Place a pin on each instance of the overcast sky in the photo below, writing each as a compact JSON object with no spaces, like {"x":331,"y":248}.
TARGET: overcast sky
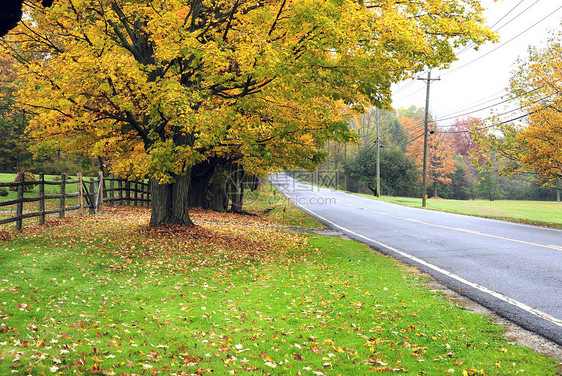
{"x":471,"y":84}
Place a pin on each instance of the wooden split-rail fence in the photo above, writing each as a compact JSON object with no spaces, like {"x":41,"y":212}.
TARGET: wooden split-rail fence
{"x":70,"y":195}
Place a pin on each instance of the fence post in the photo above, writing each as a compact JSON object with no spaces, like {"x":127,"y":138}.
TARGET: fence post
{"x":128,"y":192}
{"x":62,"y":195}
{"x":19,"y":206}
{"x":41,"y":199}
{"x":100,"y":192}
{"x":136,"y":188}
{"x":120,"y":195}
{"x":80,"y":193}
{"x":92,"y":196}
{"x":149,"y":193}
{"x":112,"y":190}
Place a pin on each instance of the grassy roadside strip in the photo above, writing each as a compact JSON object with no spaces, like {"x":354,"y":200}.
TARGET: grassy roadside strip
{"x":105,"y":295}
{"x":272,"y":205}
{"x":541,"y":213}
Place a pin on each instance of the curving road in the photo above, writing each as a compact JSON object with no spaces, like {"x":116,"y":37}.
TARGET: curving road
{"x":513,"y":269}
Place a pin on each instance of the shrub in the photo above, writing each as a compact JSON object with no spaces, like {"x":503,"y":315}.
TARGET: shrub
{"x":28,"y":177}
{"x":57,"y":177}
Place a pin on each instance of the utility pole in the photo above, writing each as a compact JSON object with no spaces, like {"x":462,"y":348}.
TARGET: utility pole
{"x":426,"y":126}
{"x":344,"y":163}
{"x":378,"y":156}
{"x":328,"y":163}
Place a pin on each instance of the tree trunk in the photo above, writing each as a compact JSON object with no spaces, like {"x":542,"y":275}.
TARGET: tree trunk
{"x":208,"y":186}
{"x":170,"y":202}
{"x":200,"y":177}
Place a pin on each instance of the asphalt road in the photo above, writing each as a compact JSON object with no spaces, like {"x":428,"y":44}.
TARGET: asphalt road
{"x":513,"y":269}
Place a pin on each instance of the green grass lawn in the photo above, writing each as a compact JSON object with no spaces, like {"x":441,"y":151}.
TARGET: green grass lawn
{"x":105,"y":295}
{"x":269,"y":203}
{"x":9,"y":210}
{"x":545,"y":213}
{"x":9,"y":177}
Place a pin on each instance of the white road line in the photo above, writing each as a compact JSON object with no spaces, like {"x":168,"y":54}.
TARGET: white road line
{"x":486,"y":290}
{"x":558,"y":248}
{"x":457,"y":214}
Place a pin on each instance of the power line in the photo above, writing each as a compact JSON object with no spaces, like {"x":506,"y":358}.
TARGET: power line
{"x":485,"y":119}
{"x":403,"y":87}
{"x":408,"y":83}
{"x":490,"y":98}
{"x":413,"y":93}
{"x":472,"y":112}
{"x":503,"y":44}
{"x":491,"y":125}
{"x":471,"y":44}
{"x":514,"y":18}
{"x":419,"y":125}
{"x":412,"y":140}
{"x":483,"y":105}
{"x":495,"y":116}
{"x":453,"y":115}
{"x":498,"y":21}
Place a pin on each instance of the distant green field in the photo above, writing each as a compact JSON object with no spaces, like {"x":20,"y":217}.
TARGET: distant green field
{"x":545,"y":213}
{"x":49,"y":189}
{"x":9,"y":210}
{"x":8,"y":178}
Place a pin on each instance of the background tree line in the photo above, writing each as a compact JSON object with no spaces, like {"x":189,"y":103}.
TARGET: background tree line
{"x":518,"y":158}
{"x":460,"y":163}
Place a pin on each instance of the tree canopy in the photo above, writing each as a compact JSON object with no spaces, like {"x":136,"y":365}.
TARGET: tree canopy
{"x":537,"y":83}
{"x":440,"y":161}
{"x":155,"y":87}
{"x":531,"y":143}
{"x":398,"y":172}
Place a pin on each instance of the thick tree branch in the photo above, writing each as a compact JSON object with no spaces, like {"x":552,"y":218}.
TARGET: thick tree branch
{"x":277,"y":18}
{"x":230,"y":19}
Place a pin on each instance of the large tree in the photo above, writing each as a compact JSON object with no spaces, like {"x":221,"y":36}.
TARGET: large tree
{"x":440,"y":161}
{"x":157,"y":87}
{"x":398,"y":174}
{"x":537,"y":84}
{"x":531,"y":142}
{"x":460,"y":136}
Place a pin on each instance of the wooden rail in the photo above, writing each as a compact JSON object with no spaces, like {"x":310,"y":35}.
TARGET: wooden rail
{"x":92,"y":195}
